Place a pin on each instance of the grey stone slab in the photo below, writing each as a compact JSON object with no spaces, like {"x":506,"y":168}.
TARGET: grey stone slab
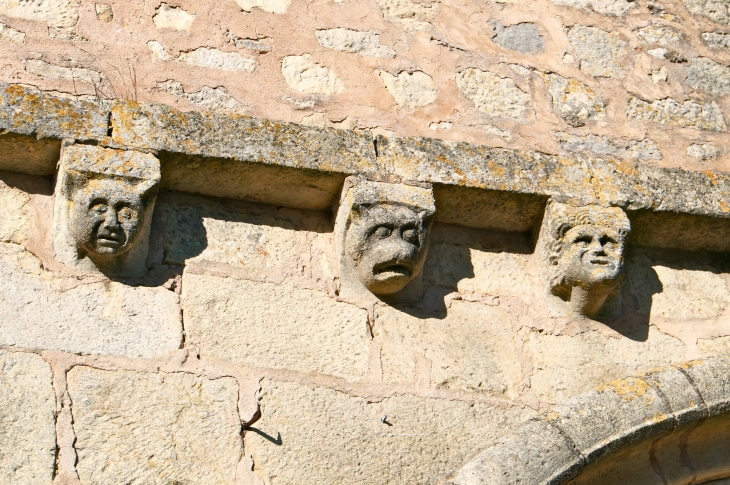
{"x":536,"y":454}
{"x":679,"y":394}
{"x":711,"y":376}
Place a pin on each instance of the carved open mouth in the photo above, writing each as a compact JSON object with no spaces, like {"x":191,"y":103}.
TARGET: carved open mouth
{"x":600,"y":261}
{"x":393,"y":268}
{"x":109,"y":240}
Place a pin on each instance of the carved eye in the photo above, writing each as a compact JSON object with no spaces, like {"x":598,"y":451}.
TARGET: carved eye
{"x":126,"y":213}
{"x":99,"y":208}
{"x":583,"y":240}
{"x":410,"y":234}
{"x":382,"y":232}
{"x":608,"y":242}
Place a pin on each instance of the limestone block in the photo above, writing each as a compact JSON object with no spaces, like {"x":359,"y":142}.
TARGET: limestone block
{"x":659,"y":34}
{"x":574,"y":101}
{"x":217,"y":59}
{"x":600,"y":52}
{"x":306,"y":76}
{"x":99,"y":318}
{"x":716,"y":10}
{"x":154,"y":428}
{"x":27,"y":420}
{"x":212,"y":98}
{"x":176,"y":18}
{"x":667,"y":111}
{"x":524,"y":37}
{"x":411,"y":15}
{"x":703,"y":151}
{"x":326,"y":436}
{"x":606,"y":7}
{"x":709,"y":76}
{"x":410,"y":90}
{"x":471,"y":348}
{"x":273,"y":6}
{"x":710,"y":377}
{"x":347,"y":40}
{"x":275,"y":326}
{"x":104,"y":12}
{"x":51,"y":71}
{"x":601,"y":358}
{"x":103,"y":207}
{"x":10,"y":34}
{"x":644,"y":150}
{"x":714,"y":346}
{"x":56,"y":13}
{"x":716,"y":40}
{"x":685,"y":294}
{"x":15,"y":222}
{"x":493,"y":95}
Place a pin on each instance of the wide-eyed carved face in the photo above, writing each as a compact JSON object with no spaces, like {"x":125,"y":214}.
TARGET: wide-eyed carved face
{"x":387,"y":244}
{"x":106,"y":217}
{"x":592,"y":255}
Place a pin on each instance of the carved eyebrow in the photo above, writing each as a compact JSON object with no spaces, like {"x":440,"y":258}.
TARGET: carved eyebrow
{"x":98,"y":200}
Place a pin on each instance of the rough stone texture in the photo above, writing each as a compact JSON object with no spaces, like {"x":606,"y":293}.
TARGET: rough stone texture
{"x":600,"y":53}
{"x":104,"y":12}
{"x":27,"y":420}
{"x":410,"y":90}
{"x":689,"y":114}
{"x":15,"y":223}
{"x":709,"y":375}
{"x":709,"y":76}
{"x":532,"y":454}
{"x":327,"y":434}
{"x":305,"y":331}
{"x":50,"y":71}
{"x":99,"y":318}
{"x":601,"y":358}
{"x":525,"y":37}
{"x":492,"y":94}
{"x":638,"y":150}
{"x":679,"y":394}
{"x":176,"y":18}
{"x":703,"y":151}
{"x":10,"y":34}
{"x":273,"y":6}
{"x":411,"y":15}
{"x":659,"y":34}
{"x":716,"y":10}
{"x":216,"y":59}
{"x":56,"y":13}
{"x":471,"y":349}
{"x":154,"y":428}
{"x":306,"y":76}
{"x":716,"y":40}
{"x":574,"y":101}
{"x":346,"y":40}
{"x":606,"y":7}
{"x":212,"y":98}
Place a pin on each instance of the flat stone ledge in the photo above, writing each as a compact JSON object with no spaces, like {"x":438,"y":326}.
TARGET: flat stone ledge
{"x":556,"y":447}
{"x":235,"y":156}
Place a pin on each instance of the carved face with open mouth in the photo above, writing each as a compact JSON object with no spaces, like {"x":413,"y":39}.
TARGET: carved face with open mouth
{"x":387,"y":244}
{"x":592,"y":255}
{"x":107,"y":217}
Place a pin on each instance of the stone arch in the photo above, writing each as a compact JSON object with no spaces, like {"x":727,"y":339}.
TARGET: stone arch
{"x":670,"y":426}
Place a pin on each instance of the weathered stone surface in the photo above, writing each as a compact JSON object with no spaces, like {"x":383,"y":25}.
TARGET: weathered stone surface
{"x":709,"y":76}
{"x":56,"y":13}
{"x":336,"y":438}
{"x":534,"y":454}
{"x":574,"y":101}
{"x":306,"y":76}
{"x":717,"y":10}
{"x":154,"y":428}
{"x":15,"y":222}
{"x":689,"y":114}
{"x":27,"y":419}
{"x":679,"y":394}
{"x":492,"y":94}
{"x":716,"y":40}
{"x":216,"y":59}
{"x":176,"y":18}
{"x":714,"y":346}
{"x":600,"y":52}
{"x":412,"y":15}
{"x":10,"y":34}
{"x":99,"y":318}
{"x":410,"y":90}
{"x":104,"y":12}
{"x":498,"y":274}
{"x":212,"y":98}
{"x":606,"y":7}
{"x":659,"y":34}
{"x":525,"y":37}
{"x":600,"y":358}
{"x":471,"y":348}
{"x":305,"y":330}
{"x":638,"y":150}
{"x":710,"y":377}
{"x":347,"y":40}
{"x":51,"y":71}
{"x":273,"y":6}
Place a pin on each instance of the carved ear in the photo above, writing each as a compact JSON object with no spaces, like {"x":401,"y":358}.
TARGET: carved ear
{"x":563,"y":229}
{"x":148,"y":192}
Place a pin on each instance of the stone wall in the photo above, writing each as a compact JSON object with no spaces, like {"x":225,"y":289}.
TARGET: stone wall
{"x":234,"y":357}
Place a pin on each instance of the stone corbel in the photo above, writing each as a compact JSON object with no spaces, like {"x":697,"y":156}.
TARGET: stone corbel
{"x":103,"y":206}
{"x":581,"y":251}
{"x":381,"y":234}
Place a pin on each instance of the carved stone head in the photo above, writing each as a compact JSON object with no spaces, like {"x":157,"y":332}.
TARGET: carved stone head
{"x":583,"y":248}
{"x":104,"y":199}
{"x":383,"y":234}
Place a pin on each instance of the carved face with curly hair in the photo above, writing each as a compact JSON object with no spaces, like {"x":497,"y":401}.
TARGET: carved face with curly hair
{"x":585,"y":247}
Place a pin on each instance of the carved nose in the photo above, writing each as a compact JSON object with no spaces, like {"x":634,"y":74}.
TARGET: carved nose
{"x":597,"y":248}
{"x":110,"y":219}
